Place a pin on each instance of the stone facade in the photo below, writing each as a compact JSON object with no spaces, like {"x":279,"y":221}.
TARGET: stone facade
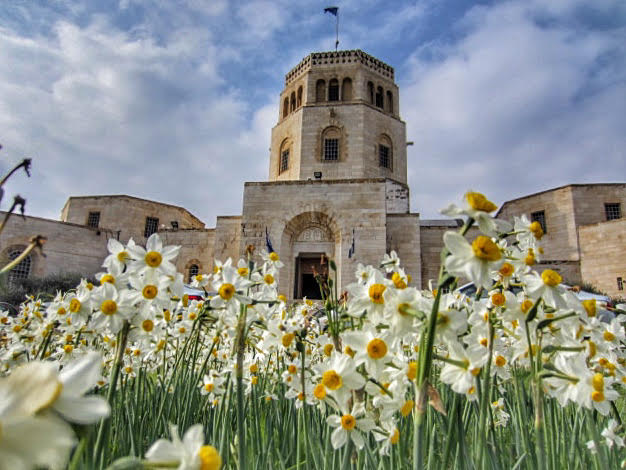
{"x":337,"y":189}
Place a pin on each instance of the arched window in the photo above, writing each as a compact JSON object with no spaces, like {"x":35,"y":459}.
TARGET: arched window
{"x":22,"y":270}
{"x":390,"y":102}
{"x":283,"y":162}
{"x":320,"y":91}
{"x":370,"y":92}
{"x":333,"y":90}
{"x":346,"y":89}
{"x":299,"y":101}
{"x":385,"y":152}
{"x":293,"y":101}
{"x":331,"y":144}
{"x":194,"y":270}
{"x":379,"y":97}
{"x":285,"y":108}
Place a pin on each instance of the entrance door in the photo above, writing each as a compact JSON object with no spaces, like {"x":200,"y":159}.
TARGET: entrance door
{"x":307,"y":267}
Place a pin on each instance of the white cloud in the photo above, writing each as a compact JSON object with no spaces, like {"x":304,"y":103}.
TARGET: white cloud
{"x":513,"y":107}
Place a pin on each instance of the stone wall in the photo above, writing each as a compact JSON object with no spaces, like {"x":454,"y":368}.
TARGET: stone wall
{"x":403,"y":236}
{"x":124,"y":217}
{"x":603,"y":255}
{"x":196,"y":249}
{"x":589,"y":201}
{"x":70,"y":248}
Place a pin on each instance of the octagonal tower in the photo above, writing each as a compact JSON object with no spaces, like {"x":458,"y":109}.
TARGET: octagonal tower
{"x":339,"y":118}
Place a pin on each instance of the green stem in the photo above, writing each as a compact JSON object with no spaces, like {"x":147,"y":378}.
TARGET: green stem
{"x":347,"y":456}
{"x":122,"y":337}
{"x":485,"y":398}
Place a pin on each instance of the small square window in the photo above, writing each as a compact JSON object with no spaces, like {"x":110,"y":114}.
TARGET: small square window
{"x":540,"y":216}
{"x":613,"y":210}
{"x":174,"y":224}
{"x":331,"y":149}
{"x":384,"y":157}
{"x":93,"y":220}
{"x":152,"y":225}
{"x":284,"y":161}
{"x":620,"y":283}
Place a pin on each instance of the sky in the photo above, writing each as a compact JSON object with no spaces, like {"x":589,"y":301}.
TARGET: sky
{"x":174,"y":100}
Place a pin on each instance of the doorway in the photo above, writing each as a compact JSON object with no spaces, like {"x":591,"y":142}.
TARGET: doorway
{"x":307,"y":267}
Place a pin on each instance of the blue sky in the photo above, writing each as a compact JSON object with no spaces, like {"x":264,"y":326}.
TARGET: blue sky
{"x":174,"y":100}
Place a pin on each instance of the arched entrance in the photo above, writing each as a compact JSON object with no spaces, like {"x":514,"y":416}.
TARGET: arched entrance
{"x":309,"y":241}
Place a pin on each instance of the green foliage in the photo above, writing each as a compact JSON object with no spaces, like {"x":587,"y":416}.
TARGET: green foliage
{"x":45,"y":288}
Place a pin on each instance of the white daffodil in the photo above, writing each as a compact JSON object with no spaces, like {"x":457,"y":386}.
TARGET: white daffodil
{"x":119,"y":256}
{"x":368,"y":297}
{"x":154,"y":257}
{"x":473,"y":261}
{"x":113,"y":307}
{"x":390,"y":262}
{"x":339,"y":376}
{"x":547,"y":286}
{"x":478,"y":208}
{"x":349,"y":426}
{"x":374,"y":349}
{"x":272,"y":258}
{"x":190,"y":453}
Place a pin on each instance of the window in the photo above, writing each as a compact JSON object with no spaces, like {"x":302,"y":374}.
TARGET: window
{"x":152,"y":225}
{"x":284,"y":161}
{"x":285,"y":108}
{"x":194,"y":270}
{"x":293,"y":101}
{"x":299,"y":102}
{"x":539,"y":216}
{"x":331,"y":149}
{"x":174,"y":224}
{"x":379,"y":97}
{"x":384,"y":155}
{"x":613,"y":210}
{"x":390,"y":102}
{"x":333,"y":90}
{"x":93,"y":220}
{"x":320,"y":91}
{"x":22,"y":270}
{"x":370,"y":92}
{"x":620,"y":283}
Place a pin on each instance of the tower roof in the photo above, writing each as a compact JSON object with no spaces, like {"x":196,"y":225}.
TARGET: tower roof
{"x":322,"y":59}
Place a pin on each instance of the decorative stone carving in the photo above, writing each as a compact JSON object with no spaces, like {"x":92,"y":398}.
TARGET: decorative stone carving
{"x":313,"y":234}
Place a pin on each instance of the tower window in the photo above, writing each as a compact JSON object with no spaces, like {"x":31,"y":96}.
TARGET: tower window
{"x":194,"y":270}
{"x":299,"y":101}
{"x":285,"y":108}
{"x":540,"y":216}
{"x":174,"y":224}
{"x":333,"y":90}
{"x":346,"y":89}
{"x":293,"y":101}
{"x":370,"y":92}
{"x":379,"y":97}
{"x":331,"y":149}
{"x":620,"y":283}
{"x":152,"y":225}
{"x":93,"y":220}
{"x":613,"y":210}
{"x":384,"y":156}
{"x":22,"y":270}
{"x":390,"y":102}
{"x":284,"y":161}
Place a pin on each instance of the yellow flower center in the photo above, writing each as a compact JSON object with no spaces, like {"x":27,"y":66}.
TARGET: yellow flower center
{"x":608,"y":336}
{"x":348,"y":422}
{"x":407,"y":407}
{"x":484,"y":342}
{"x":108,"y":307}
{"x":328,"y":349}
{"x":227,"y":291}
{"x":593,"y":349}
{"x":107,"y":278}
{"x":485,"y":249}
{"x":153,"y":259}
{"x":292,"y":369}
{"x":349,"y":351}
{"x":254,"y":380}
{"x":506,"y":270}
{"x":597,"y":382}
{"x":590,"y":307}
{"x":147,"y":325}
{"x":268,"y":279}
{"x":209,"y":387}
{"x":61,"y":311}
{"x":500,"y":361}
{"x":150,"y":291}
{"x":75,"y":305}
{"x":122,"y":256}
{"x":412,"y":372}
{"x":597,"y":396}
{"x":332,"y":380}
{"x":287,"y":339}
{"x":479,"y":202}
{"x":182,"y":330}
{"x":376,"y":348}
{"x":254,"y":368}
{"x":526,"y":305}
{"x":243,"y":272}
{"x":68,"y":348}
{"x":398,"y":281}
{"x":536,"y":230}
{"x":475,"y":371}
{"x":89,"y":286}
{"x":403,"y":308}
{"x":551,"y":278}
{"x":319,"y":391}
{"x":282,"y":298}
{"x":209,"y":458}
{"x":498,"y":299}
{"x":395,"y":437}
{"x":376,"y":293}
{"x":274,"y":257}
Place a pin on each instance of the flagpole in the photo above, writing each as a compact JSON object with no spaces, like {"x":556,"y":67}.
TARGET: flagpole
{"x":337,"y":31}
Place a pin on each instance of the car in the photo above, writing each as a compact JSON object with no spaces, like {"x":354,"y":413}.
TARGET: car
{"x":193,"y":293}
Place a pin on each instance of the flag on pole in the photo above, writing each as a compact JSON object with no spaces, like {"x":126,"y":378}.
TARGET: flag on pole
{"x":268,"y":242}
{"x":351,"y":250}
{"x":331,"y":10}
{"x":335,"y":12}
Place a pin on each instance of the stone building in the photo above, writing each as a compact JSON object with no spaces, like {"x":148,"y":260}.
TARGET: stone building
{"x":337,"y":189}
